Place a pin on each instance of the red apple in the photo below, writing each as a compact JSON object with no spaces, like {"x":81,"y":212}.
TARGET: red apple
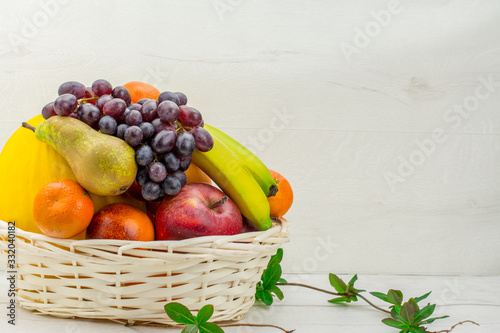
{"x":197,"y":210}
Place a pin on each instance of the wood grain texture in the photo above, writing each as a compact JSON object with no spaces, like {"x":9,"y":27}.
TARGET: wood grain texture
{"x":393,"y":149}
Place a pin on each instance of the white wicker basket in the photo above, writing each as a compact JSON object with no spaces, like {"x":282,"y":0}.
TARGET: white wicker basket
{"x":130,"y":282}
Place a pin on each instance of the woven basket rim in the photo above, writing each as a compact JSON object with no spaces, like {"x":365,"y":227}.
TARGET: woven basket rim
{"x":280,"y":224}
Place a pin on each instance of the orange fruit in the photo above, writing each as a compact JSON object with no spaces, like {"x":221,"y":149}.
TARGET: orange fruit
{"x":139,"y":90}
{"x":62,"y":209}
{"x":196,"y":175}
{"x":121,"y":221}
{"x":282,"y":201}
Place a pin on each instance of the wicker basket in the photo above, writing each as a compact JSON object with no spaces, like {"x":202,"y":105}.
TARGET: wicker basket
{"x":130,"y":282}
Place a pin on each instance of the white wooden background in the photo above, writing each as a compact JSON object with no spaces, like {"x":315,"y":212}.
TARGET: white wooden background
{"x":384,"y":115}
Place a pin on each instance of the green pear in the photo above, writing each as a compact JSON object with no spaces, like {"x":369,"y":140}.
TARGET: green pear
{"x":102,"y":164}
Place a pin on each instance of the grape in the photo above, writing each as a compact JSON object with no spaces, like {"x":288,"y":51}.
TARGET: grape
{"x":134,"y":117}
{"x":65,"y":104}
{"x":160,"y":125}
{"x":120,"y":131}
{"x":122,"y":118}
{"x":179,"y":175}
{"x":157,"y":172}
{"x":164,"y":141}
{"x":143,"y":100}
{"x":148,"y":111}
{"x":72,"y":87}
{"x":203,"y":139}
{"x":121,"y":92}
{"x":148,"y":130}
{"x":103,"y":100}
{"x":73,"y":115}
{"x":48,"y":111}
{"x":185,"y":145}
{"x":171,"y":185}
{"x":189,"y":116}
{"x":168,"y":111}
{"x":144,"y":155}
{"x":102,"y":87}
{"x":142,"y":176}
{"x":185,"y":163}
{"x":89,"y":114}
{"x":182,"y":98}
{"x":108,"y":125}
{"x":171,"y":161}
{"x":135,"y":106}
{"x":151,"y":191}
{"x":114,"y":108}
{"x":168,"y":96}
{"x":133,"y":135}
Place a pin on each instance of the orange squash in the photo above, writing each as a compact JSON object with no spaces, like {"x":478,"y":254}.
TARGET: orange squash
{"x":26,"y":165}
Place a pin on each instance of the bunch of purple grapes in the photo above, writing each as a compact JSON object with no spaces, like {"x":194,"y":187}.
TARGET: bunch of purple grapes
{"x":164,"y":132}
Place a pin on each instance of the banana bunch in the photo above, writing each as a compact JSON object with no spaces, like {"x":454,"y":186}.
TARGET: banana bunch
{"x":240,"y":174}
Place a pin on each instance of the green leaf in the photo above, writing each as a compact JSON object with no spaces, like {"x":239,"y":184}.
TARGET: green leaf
{"x":395,"y":297}
{"x":424,"y":313}
{"x":414,"y":305}
{"x":277,"y":291}
{"x":382,"y":296}
{"x":205,"y":313}
{"x":265,"y":296}
{"x":337,"y":283}
{"x":395,"y":312}
{"x":190,"y":329}
{"x":179,"y":313}
{"x":407,"y":313}
{"x":271,"y":276}
{"x":353,"y":280}
{"x":340,"y":299}
{"x":276,"y":259}
{"x":259,"y":286}
{"x":210,"y":328}
{"x":416,"y":330}
{"x":281,"y":280}
{"x":418,"y":299}
{"x":394,"y":323}
{"x":431,"y":320}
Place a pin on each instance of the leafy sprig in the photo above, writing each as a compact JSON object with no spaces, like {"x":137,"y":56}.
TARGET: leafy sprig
{"x":407,"y":316}
{"x":266,"y":288}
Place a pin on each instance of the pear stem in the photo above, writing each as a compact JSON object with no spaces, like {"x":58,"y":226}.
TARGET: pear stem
{"x":220,"y":202}
{"x":28,"y":126}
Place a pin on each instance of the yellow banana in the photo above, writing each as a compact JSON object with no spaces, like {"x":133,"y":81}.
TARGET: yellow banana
{"x":229,"y":173}
{"x":256,"y":167}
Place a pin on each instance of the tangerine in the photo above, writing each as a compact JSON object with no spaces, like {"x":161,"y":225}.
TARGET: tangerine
{"x":121,"y":221}
{"x":282,"y":201}
{"x":62,"y":208}
{"x":139,"y":90}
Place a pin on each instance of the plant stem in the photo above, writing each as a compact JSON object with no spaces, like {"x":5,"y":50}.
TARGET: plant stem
{"x":28,"y":126}
{"x":257,"y":325}
{"x":451,"y":328}
{"x":333,"y":293}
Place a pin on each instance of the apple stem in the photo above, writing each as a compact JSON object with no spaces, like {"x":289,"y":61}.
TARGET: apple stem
{"x":28,"y":126}
{"x":220,"y":202}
